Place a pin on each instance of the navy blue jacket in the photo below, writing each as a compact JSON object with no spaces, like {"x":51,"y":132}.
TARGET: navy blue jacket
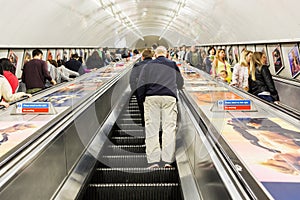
{"x":135,"y":73}
{"x":159,"y":77}
{"x":73,"y":65}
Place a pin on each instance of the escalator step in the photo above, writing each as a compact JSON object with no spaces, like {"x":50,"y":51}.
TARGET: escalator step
{"x":124,"y":149}
{"x":128,"y":126}
{"x":133,"y":105}
{"x":128,"y":140}
{"x":126,"y":114}
{"x":127,"y":161}
{"x":128,"y":133}
{"x":134,"y":191}
{"x":135,"y":111}
{"x":135,"y":175}
{"x":127,"y":120}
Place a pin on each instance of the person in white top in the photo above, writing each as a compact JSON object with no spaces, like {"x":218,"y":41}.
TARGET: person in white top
{"x":242,"y":69}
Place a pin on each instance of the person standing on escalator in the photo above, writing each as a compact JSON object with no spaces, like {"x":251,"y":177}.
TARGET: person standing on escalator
{"x":157,"y":87}
{"x":134,"y":77}
{"x":35,"y":73}
{"x":262,"y":84}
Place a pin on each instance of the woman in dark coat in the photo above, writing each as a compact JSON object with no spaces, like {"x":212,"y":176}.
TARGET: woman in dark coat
{"x":262,"y":84}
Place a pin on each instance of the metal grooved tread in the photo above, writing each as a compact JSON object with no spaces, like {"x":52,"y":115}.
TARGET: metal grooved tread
{"x":122,"y":173}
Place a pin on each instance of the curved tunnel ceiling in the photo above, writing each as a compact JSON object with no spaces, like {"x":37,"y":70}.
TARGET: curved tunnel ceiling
{"x":121,"y":23}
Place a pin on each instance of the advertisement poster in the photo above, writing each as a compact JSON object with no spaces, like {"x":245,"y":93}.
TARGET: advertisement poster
{"x":3,"y":53}
{"x":16,"y":58}
{"x":208,"y":98}
{"x":65,"y":56}
{"x":50,"y":54}
{"x":65,"y":97}
{"x":236,"y":54}
{"x":277,"y":59}
{"x":27,"y":56}
{"x":12,"y":133}
{"x":269,"y":147}
{"x":12,"y":56}
{"x":294,"y":61}
{"x":230,"y":56}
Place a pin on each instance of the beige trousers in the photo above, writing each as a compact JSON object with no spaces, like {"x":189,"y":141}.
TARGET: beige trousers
{"x":160,"y":109}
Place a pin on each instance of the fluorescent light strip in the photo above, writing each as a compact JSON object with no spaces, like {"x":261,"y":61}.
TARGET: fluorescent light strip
{"x":121,"y":17}
{"x":180,"y":4}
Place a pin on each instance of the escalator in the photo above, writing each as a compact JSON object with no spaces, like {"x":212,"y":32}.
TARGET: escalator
{"x":122,"y":170}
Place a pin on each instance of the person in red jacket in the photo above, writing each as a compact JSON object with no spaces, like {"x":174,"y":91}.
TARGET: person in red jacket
{"x":8,"y":73}
{"x":6,"y":94}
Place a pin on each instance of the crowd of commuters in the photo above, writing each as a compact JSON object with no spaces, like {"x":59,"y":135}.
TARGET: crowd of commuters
{"x":38,"y":74}
{"x":249,"y":71}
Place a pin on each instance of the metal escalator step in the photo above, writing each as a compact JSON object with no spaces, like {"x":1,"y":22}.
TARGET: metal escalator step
{"x":127,"y":120}
{"x":134,"y":191}
{"x":130,"y":115}
{"x":129,"y":126}
{"x":132,"y":110}
{"x":126,"y":161}
{"x":133,"y":104}
{"x":135,"y":175}
{"x":128,"y":140}
{"x":135,"y":111}
{"x":124,"y":149}
{"x":133,"y":100}
{"x":128,"y":133}
{"x":136,"y":115}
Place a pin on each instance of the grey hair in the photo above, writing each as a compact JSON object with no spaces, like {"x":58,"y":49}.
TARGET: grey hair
{"x":161,"y":50}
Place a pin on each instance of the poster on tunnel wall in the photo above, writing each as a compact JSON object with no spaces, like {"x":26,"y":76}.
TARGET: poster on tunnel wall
{"x":293,"y":56}
{"x":27,"y":56}
{"x":277,"y":59}
{"x":16,"y":56}
{"x":3,"y":53}
{"x":51,"y":54}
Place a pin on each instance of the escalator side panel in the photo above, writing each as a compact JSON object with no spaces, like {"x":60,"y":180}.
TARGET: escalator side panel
{"x":41,"y":177}
{"x":288,"y":94}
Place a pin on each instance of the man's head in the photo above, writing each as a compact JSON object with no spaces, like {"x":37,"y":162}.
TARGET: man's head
{"x":75,"y":56}
{"x":161,"y":51}
{"x":37,"y":54}
{"x":147,"y":53}
{"x":193,"y":49}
